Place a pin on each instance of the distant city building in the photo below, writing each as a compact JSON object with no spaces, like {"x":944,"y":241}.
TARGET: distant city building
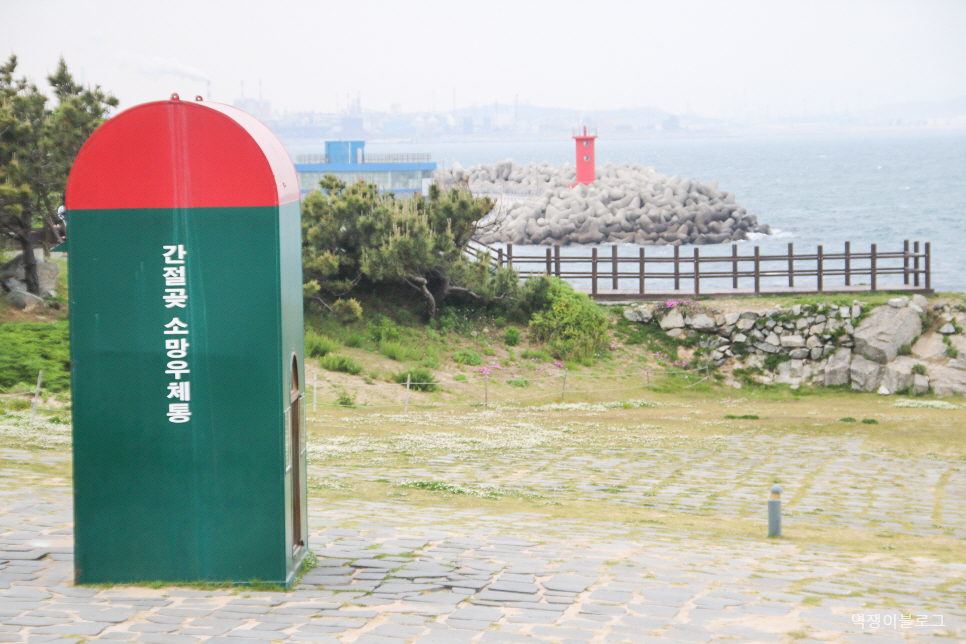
{"x":348,"y":162}
{"x":262,"y":110}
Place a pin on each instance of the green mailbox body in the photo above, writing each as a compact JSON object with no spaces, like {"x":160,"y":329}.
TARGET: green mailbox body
{"x":187,"y":349}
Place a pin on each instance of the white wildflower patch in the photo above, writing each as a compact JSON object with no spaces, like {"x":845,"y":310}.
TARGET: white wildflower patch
{"x":479,"y":491}
{"x":584,"y":406}
{"x":924,"y":404}
{"x":25,"y":430}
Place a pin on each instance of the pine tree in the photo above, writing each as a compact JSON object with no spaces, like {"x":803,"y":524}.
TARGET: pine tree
{"x":38,"y":144}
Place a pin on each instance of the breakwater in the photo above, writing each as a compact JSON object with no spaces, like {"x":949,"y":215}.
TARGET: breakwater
{"x":628,"y":203}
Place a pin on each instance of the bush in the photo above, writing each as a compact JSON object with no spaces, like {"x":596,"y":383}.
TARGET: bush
{"x":318,"y":346}
{"x":460,"y":377}
{"x":344,"y":398}
{"x":384,"y":329}
{"x":420,"y":379}
{"x":489,"y":351}
{"x":344,"y":364}
{"x":571,"y":323}
{"x":870,"y":421}
{"x":775,"y":359}
{"x":467,"y":357}
{"x":518,"y":382}
{"x":535,"y":354}
{"x":847,"y":419}
{"x":354,"y":340}
{"x":905,"y":350}
{"x":27,"y":348}
{"x":919,"y":369}
{"x":347,"y":310}
{"x":395,"y":350}
{"x":511,"y":337}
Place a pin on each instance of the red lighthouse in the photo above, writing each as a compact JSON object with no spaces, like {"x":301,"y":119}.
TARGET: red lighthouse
{"x":585,"y":156}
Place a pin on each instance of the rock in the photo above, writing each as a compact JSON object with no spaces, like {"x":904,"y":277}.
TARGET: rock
{"x":946,"y":382}
{"x":816,"y":353}
{"x":864,"y":373}
{"x":838,"y":367}
{"x":24,"y":300}
{"x":920,"y":384}
{"x":928,"y":347}
{"x":897,"y":375}
{"x":767,"y":347}
{"x":641,"y":314}
{"x":799,"y":354}
{"x":920,"y":301}
{"x":673,"y":320}
{"x":13,"y":275}
{"x":702,"y":322}
{"x":739,"y":337}
{"x":884,"y":331}
{"x":898,"y":302}
{"x":813,"y":342}
{"x":793,"y":341}
{"x":731,"y":319}
{"x":675,"y":333}
{"x":745,"y":324}
{"x":883,"y":390}
{"x":947,"y":329}
{"x":773,"y":339}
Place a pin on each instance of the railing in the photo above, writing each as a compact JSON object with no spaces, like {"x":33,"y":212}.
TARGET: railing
{"x":816,"y":272}
{"x":418,"y":157}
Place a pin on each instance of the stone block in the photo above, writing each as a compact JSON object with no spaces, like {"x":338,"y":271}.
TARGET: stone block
{"x":884,"y":331}
{"x":838,"y":367}
{"x":673,"y":320}
{"x":793,"y":341}
{"x":799,"y":354}
{"x":24,"y":300}
{"x":865,"y":373}
{"x":897,"y":375}
{"x":773,"y":339}
{"x":731,"y":319}
{"x":816,"y":353}
{"x":701,"y":322}
{"x":920,"y":301}
{"x":744,"y":324}
{"x":929,"y":346}
{"x":920,"y":384}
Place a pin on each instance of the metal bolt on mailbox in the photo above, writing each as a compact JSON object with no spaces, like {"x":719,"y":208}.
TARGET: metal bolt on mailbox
{"x":187,"y":349}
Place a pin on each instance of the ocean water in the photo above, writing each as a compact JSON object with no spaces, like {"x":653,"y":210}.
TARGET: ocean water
{"x":879,"y":188}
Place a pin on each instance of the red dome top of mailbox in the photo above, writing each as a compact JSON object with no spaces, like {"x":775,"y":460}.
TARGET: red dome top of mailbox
{"x":181,"y":154}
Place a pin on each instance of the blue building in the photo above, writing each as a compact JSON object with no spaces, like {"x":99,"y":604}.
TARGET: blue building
{"x":348,"y":162}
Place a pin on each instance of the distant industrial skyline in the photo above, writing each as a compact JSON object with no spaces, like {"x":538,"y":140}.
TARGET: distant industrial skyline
{"x":728,"y":59}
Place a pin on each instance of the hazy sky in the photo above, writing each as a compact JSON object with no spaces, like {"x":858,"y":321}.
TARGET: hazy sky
{"x":718,"y":58}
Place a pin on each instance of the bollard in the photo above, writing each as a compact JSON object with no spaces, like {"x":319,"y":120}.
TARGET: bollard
{"x":775,"y":512}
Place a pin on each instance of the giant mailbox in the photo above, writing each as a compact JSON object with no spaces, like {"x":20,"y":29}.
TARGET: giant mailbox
{"x":187,"y":349}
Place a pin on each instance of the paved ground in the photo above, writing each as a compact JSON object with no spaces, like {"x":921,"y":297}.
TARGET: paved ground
{"x":503,"y":549}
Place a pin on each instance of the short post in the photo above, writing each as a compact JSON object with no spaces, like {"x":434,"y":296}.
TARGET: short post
{"x":872,"y":266}
{"x":905,"y":262}
{"x":549,"y":262}
{"x":499,"y":257}
{"x":757,"y":270}
{"x":408,"y":379}
{"x":40,"y":379}
{"x":734,"y":266}
{"x":697,"y":271}
{"x":593,"y":271}
{"x":564,"y":390}
{"x":647,"y":374}
{"x":775,"y":512}
{"x":915,"y":264}
{"x":614,"y":266}
{"x":486,"y":391}
{"x":315,"y":391}
{"x":820,"y":266}
{"x":928,"y":263}
{"x":556,"y":258}
{"x":848,"y":263}
{"x":677,"y":268}
{"x":791,"y":265}
{"x":640,"y":270}
{"x":509,"y":255}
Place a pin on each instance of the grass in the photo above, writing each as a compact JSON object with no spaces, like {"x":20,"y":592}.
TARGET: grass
{"x":419,"y":379}
{"x":27,"y":348}
{"x":341,"y":363}
{"x":467,"y":357}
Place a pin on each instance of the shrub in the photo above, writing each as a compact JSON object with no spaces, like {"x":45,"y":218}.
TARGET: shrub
{"x":775,"y":359}
{"x":420,"y":379}
{"x":511,"y":337}
{"x":347,"y":310}
{"x":460,"y":377}
{"x":354,"y":340}
{"x":919,"y":369}
{"x":467,"y":357}
{"x":344,"y":398}
{"x":905,"y":350}
{"x":395,"y":350}
{"x":318,"y":346}
{"x":383,"y":329}
{"x":518,"y":382}
{"x":952,"y":352}
{"x":27,"y":348}
{"x":345,"y":364}
{"x":535,"y":354}
{"x":870,"y":421}
{"x":429,"y":363}
{"x":488,"y":351}
{"x":847,"y":419}
{"x":571,"y":323}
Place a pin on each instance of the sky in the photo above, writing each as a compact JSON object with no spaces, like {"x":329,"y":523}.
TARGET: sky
{"x":725,"y":58}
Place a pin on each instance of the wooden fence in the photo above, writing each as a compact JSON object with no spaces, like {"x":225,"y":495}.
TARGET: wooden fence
{"x":817,"y":272}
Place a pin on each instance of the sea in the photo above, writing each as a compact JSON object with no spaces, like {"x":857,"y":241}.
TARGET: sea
{"x":866,"y":188}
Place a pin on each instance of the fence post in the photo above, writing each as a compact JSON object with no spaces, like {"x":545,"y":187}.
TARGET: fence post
{"x":928,"y":263}
{"x":613,"y":265}
{"x":734,"y":266}
{"x":848,"y":263}
{"x":315,"y":391}
{"x":549,"y":265}
{"x":640,"y":270}
{"x":757,"y":270}
{"x":564,"y":390}
{"x":677,"y":268}
{"x":791,"y":265}
{"x":915,"y":263}
{"x":593,"y":271}
{"x":872,"y":266}
{"x":820,"y":266}
{"x":509,"y":256}
{"x":556,"y":257}
{"x":775,"y":512}
{"x":40,"y":379}
{"x":499,"y":258}
{"x":697,"y":271}
{"x":648,"y":375}
{"x":408,"y":378}
{"x":486,"y":391}
{"x":905,"y":262}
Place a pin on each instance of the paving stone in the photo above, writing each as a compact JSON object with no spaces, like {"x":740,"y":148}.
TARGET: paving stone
{"x":569,"y":583}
